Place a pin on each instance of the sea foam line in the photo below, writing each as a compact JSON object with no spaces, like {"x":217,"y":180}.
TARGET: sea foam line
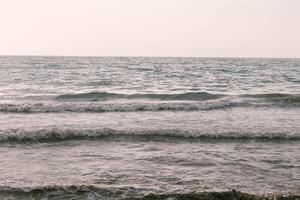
{"x":101,"y":133}
{"x":126,"y":193}
{"x":114,"y":107}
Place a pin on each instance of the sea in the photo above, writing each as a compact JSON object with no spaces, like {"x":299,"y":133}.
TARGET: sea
{"x":129,"y":127}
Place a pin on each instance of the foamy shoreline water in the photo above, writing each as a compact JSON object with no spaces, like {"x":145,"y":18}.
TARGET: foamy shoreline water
{"x":83,"y":192}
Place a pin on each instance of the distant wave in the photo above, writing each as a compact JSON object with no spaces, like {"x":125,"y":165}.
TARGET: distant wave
{"x":124,"y":193}
{"x":107,"y":133}
{"x":102,"y":96}
{"x":292,"y":98}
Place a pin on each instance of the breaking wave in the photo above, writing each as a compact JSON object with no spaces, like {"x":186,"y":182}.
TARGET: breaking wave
{"x":125,"y":193}
{"x":170,"y":103}
{"x":56,"y":134}
{"x":190,"y":96}
{"x":114,"y":107}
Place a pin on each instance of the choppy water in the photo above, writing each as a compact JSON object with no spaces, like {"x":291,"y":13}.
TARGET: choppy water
{"x":112,"y":128}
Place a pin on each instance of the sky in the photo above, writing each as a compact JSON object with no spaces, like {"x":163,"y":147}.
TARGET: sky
{"x":187,"y":28}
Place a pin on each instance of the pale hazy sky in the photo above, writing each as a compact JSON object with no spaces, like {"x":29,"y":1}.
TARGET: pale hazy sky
{"x":234,"y":28}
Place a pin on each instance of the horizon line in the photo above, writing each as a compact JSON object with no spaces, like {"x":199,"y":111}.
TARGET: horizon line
{"x":118,"y":56}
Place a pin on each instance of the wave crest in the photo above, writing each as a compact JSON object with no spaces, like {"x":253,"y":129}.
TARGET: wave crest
{"x":179,"y":102}
{"x":124,"y":193}
{"x":190,"y":96}
{"x":113,"y":107}
{"x":107,"y":133}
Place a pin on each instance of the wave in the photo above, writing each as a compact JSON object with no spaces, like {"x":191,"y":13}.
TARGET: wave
{"x":94,"y":107}
{"x":79,"y":107}
{"x":190,"y":96}
{"x":125,"y":193}
{"x":292,"y":98}
{"x":166,"y":103}
{"x":58,"y":134}
{"x":102,"y":96}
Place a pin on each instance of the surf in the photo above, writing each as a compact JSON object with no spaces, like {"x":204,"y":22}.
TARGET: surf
{"x":62,"y":134}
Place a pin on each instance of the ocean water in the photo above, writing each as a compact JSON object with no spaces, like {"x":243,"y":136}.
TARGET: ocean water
{"x":124,"y":127}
